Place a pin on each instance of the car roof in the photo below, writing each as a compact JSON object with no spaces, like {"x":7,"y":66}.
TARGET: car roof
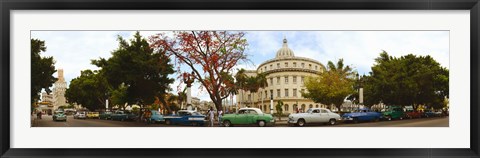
{"x":256,"y":109}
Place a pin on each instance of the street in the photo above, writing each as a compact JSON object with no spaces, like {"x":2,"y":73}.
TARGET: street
{"x":47,"y":121}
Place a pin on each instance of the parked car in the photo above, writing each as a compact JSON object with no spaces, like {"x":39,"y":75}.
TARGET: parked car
{"x":123,"y":115}
{"x":106,"y":115}
{"x":393,"y":112}
{"x":93,"y":115}
{"x":59,"y":116}
{"x":362,"y":114}
{"x":185,"y":117}
{"x":80,"y":115}
{"x":312,"y":116}
{"x":413,"y":114}
{"x":430,"y":113}
{"x":248,"y":116}
{"x":156,"y":117}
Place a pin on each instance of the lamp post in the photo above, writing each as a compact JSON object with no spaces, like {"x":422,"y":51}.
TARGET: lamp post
{"x":271,"y":104}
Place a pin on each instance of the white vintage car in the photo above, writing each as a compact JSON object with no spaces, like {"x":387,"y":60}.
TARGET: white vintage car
{"x":314,"y":115}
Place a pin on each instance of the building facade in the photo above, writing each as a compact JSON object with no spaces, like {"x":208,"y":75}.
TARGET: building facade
{"x":285,"y":75}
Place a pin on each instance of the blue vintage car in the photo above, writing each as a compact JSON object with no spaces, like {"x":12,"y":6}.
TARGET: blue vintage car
{"x":123,"y":115}
{"x":185,"y":117}
{"x":362,"y":114}
{"x":156,"y":116}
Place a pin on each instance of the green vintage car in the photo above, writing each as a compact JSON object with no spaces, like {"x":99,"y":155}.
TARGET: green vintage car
{"x":393,"y":112}
{"x":248,"y":116}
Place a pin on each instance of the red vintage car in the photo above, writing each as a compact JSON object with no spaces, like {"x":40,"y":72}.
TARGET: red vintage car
{"x":413,"y":114}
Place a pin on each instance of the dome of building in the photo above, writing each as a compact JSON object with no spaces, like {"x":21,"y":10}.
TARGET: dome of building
{"x":284,"y":51}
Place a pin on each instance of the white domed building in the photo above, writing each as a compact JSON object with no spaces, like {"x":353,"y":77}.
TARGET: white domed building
{"x":285,"y":75}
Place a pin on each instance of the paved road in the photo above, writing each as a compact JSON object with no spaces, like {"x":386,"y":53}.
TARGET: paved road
{"x":47,"y":121}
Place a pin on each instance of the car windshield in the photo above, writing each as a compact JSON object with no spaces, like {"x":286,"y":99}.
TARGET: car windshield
{"x":309,"y":110}
{"x":196,"y":114}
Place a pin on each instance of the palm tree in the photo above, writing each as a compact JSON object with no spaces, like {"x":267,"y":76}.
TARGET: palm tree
{"x":240,"y":84}
{"x":252,"y":86}
{"x":341,"y":68}
{"x":262,"y":81}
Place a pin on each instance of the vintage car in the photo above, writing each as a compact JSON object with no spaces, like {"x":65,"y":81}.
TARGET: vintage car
{"x":430,"y":113}
{"x":362,"y":114}
{"x":80,"y":115}
{"x":185,"y":117}
{"x":312,"y":116}
{"x":59,"y":116}
{"x":413,"y":114}
{"x":156,"y":116}
{"x":123,"y":115}
{"x":106,"y":115}
{"x":393,"y":112}
{"x":93,"y":115}
{"x":248,"y":116}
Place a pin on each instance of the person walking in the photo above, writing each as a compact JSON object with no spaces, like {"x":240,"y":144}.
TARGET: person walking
{"x":220,"y":115}
{"x":211,"y":114}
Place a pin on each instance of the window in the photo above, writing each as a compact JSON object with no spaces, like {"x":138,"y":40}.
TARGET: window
{"x":249,"y":97}
{"x":294,"y":92}
{"x":265,"y":68}
{"x":324,"y":111}
{"x":271,"y":93}
{"x":303,"y":107}
{"x":316,"y":111}
{"x":271,"y":81}
{"x":303,"y":78}
{"x":310,"y":106}
{"x":286,"y":107}
{"x":278,"y":65}
{"x":294,"y":64}
{"x":271,"y":67}
{"x":278,"y":93}
{"x":286,"y":92}
{"x":316,"y":106}
{"x":266,"y":94}
{"x":303,"y":65}
{"x":286,"y":64}
{"x":286,"y":79}
{"x":278,"y":80}
{"x":316,"y":67}
{"x":309,"y":66}
{"x":294,"y":79}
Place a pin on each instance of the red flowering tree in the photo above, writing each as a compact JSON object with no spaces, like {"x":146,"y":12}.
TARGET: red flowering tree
{"x":211,"y":55}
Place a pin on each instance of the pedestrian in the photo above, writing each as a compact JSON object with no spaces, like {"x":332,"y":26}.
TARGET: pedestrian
{"x":220,"y":113}
{"x":211,"y":114}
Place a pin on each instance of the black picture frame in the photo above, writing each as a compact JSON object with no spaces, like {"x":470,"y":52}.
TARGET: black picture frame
{"x":9,"y":5}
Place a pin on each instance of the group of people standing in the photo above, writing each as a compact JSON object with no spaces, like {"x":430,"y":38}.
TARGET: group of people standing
{"x":211,"y":117}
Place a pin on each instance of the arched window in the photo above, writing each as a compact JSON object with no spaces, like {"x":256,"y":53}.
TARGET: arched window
{"x":303,"y":108}
{"x":316,"y":106}
{"x":285,"y":107}
{"x":310,"y":106}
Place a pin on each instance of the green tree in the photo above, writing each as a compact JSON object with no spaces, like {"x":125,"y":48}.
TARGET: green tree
{"x":88,"y":90}
{"x":279,"y":107}
{"x":240,"y":83}
{"x":332,"y":85}
{"x":143,"y":70}
{"x":42,"y":70}
{"x":408,"y":80}
{"x":119,"y":96}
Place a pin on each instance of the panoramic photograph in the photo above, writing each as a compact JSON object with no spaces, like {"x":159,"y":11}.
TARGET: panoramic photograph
{"x":234,"y":78}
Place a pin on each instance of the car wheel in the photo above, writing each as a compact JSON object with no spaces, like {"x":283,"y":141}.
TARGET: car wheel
{"x":332,"y":121}
{"x":389,"y":118}
{"x":261,"y":123}
{"x":227,"y":123}
{"x":301,"y":122}
{"x":168,"y":122}
{"x":401,"y":118}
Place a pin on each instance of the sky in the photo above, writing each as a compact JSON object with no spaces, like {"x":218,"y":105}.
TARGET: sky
{"x":73,"y":50}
